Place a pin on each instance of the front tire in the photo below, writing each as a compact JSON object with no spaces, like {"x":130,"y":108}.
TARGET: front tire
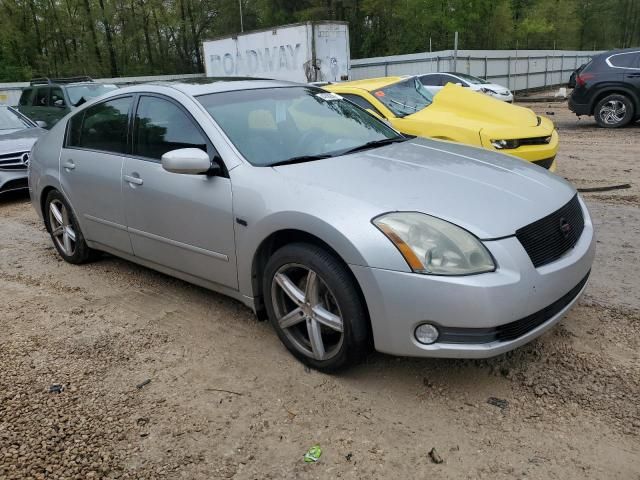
{"x":315,"y":307}
{"x":614,"y":111}
{"x":65,"y":231}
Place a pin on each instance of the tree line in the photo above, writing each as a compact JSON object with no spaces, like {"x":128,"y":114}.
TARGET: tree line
{"x":109,"y":38}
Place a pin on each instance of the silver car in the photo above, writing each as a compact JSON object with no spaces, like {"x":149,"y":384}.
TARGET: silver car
{"x":314,"y":213}
{"x":17,"y":136}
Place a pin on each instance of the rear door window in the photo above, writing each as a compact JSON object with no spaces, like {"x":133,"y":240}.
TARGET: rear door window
{"x":41,"y":98}
{"x":57,"y":97}
{"x":162,"y":126}
{"x":26,"y":98}
{"x":101,"y":127}
{"x":625,"y":60}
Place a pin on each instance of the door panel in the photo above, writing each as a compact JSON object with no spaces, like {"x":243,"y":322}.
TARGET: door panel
{"x":184,"y":222}
{"x":91,"y":181}
{"x":91,"y":171}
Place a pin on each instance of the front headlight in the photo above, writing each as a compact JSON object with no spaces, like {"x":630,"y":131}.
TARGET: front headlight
{"x":434,"y":246}
{"x":505,"y":144}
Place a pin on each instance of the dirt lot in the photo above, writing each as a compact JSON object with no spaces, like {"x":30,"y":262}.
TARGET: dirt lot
{"x":225,"y":400}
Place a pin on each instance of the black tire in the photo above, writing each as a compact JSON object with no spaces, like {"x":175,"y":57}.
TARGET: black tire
{"x":337,"y":280}
{"x":81,"y":252}
{"x":603,"y":111}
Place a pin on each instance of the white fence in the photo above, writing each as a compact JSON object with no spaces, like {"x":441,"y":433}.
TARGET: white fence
{"x":516,"y":69}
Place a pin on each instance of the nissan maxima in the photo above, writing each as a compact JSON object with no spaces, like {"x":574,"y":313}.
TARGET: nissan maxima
{"x":319,"y":216}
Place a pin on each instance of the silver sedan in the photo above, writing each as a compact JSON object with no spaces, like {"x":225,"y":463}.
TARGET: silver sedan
{"x":317,"y":215}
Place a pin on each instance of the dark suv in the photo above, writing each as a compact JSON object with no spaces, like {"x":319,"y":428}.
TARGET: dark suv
{"x":608,"y":88}
{"x":49,"y":99}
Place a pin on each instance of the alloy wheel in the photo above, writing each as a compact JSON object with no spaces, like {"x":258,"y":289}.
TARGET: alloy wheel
{"x":61,"y":227}
{"x":307,"y":311}
{"x":613,"y":112}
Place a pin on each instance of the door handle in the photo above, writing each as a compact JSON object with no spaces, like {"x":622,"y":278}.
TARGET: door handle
{"x":133,"y":180}
{"x":69,"y":165}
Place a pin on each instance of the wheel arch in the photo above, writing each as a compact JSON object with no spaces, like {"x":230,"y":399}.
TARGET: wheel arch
{"x":279,"y":239}
{"x":614,"y":90}
{"x":43,"y":200}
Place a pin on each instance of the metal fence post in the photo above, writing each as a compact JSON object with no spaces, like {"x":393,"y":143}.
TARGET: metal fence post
{"x":561,"y":68}
{"x":546,"y":68}
{"x":509,"y":73}
{"x":485,"y":68}
{"x":528,"y":70}
{"x":438,"y":63}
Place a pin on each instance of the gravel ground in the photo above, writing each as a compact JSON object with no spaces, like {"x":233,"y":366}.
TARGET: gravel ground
{"x":110,"y":370}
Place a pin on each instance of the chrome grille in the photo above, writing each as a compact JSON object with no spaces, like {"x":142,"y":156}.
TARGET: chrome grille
{"x":14,"y":161}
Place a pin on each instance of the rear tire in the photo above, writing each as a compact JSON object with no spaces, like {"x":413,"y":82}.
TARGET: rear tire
{"x":65,"y":231}
{"x":614,"y":111}
{"x":315,"y":307}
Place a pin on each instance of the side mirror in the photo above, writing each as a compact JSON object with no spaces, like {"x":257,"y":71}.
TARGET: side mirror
{"x":41,"y":124}
{"x":190,"y":161}
{"x":59,"y":103}
{"x":460,"y":84}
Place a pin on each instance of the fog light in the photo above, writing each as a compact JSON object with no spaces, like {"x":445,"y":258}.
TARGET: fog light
{"x":426,"y":333}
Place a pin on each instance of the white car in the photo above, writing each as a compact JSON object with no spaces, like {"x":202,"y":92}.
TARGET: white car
{"x":435,"y":81}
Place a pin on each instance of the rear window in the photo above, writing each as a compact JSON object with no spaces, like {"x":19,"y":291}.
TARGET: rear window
{"x":41,"y":98}
{"x":79,"y":94}
{"x":625,"y":60}
{"x":27,"y":97}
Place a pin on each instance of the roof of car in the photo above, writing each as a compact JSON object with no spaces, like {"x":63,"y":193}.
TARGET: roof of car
{"x":369,"y":84}
{"x":607,"y":54}
{"x":203,"y":86}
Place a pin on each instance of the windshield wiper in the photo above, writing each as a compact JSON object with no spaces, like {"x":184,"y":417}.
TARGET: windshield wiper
{"x":415,"y":109}
{"x":376,"y":143}
{"x":300,"y":159}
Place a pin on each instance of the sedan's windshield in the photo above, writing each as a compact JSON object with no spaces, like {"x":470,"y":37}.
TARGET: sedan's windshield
{"x":78,"y":94}
{"x":405,"y":97}
{"x":10,"y":120}
{"x":293,"y":124}
{"x":471,"y":79}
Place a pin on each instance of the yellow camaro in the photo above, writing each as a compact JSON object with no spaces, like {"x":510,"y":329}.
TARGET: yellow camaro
{"x":457,"y":114}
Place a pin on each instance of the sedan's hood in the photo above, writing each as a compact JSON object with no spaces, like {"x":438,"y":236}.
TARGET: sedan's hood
{"x":495,"y":87}
{"x":20,"y":140}
{"x":489,"y":194}
{"x":480,"y":108}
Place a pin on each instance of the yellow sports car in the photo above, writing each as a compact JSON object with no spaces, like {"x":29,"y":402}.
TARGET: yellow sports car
{"x":457,"y":114}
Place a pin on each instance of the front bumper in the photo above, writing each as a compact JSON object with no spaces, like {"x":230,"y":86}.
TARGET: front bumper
{"x":12,"y":180}
{"x":399,"y":301}
{"x":531,"y":153}
{"x":504,"y":97}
